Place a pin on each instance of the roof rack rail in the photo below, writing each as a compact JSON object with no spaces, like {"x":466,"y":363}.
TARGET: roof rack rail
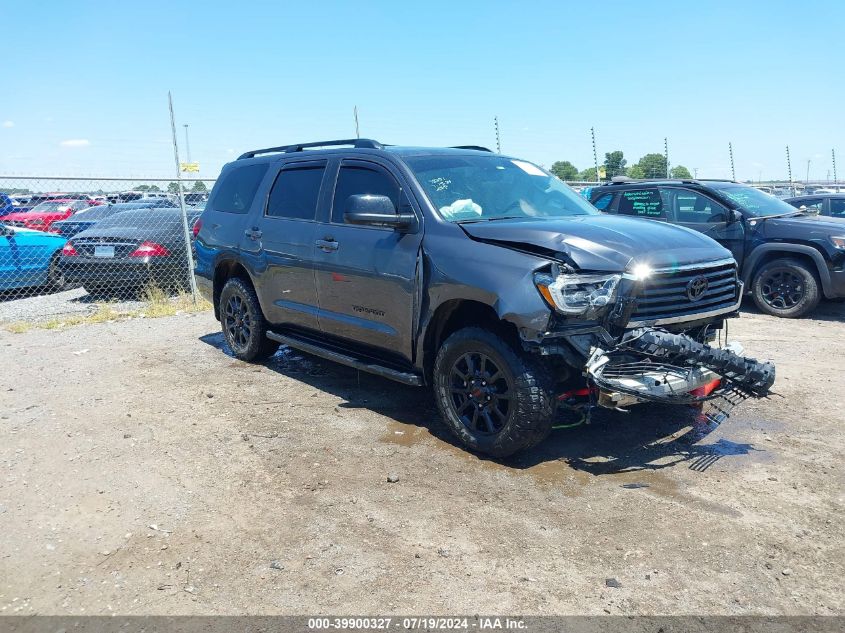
{"x":360,"y":143}
{"x":475,"y":147}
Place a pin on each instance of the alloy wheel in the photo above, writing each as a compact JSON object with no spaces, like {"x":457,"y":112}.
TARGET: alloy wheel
{"x":481,"y":394}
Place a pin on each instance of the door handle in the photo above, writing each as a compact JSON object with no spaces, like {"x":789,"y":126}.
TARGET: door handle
{"x":327,"y":246}
{"x":253,"y":233}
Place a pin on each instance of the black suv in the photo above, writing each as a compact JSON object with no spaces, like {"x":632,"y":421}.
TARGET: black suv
{"x":481,"y":275}
{"x":788,"y":258}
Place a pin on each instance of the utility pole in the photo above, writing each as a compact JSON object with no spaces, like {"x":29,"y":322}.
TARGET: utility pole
{"x":498,"y":140}
{"x":833,"y":156}
{"x":695,"y":172}
{"x":808,"y":172}
{"x":789,"y":169}
{"x":185,"y":229}
{"x":187,"y":143}
{"x":666,"y":154}
{"x":595,"y":155}
{"x":731,"y":152}
{"x":355,"y":113}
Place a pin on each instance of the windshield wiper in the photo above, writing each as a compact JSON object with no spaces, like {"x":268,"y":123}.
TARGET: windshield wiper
{"x":488,"y":219}
{"x":779,"y":215}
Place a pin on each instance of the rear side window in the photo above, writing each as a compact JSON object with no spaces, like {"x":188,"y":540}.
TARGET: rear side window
{"x":356,"y":180}
{"x":295,"y":193}
{"x":642,"y":203}
{"x":837,"y":207}
{"x":603,"y":202}
{"x":237,"y":190}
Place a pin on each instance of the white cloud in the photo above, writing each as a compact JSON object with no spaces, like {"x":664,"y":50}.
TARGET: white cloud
{"x":8,"y":124}
{"x":76,"y":142}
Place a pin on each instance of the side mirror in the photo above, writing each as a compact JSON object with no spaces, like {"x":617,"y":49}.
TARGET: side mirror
{"x":6,"y":231}
{"x":370,"y":210}
{"x":734,"y":216}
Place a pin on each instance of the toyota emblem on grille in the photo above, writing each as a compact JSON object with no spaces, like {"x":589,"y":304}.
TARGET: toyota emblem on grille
{"x":696,"y":287}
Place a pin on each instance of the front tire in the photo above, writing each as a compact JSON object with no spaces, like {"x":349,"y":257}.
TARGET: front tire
{"x":55,"y":276}
{"x":495,"y":400}
{"x":243,"y":323}
{"x":785,"y":288}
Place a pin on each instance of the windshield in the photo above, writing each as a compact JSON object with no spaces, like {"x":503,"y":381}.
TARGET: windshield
{"x":753,"y":201}
{"x":467,"y":188}
{"x":46,"y":207}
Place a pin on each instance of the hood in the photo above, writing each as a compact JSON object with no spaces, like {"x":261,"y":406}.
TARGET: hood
{"x":801,"y":226}
{"x":28,"y":216}
{"x":601,"y":242}
{"x":41,"y":235}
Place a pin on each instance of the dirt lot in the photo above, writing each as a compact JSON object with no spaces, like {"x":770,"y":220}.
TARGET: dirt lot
{"x":145,"y":471}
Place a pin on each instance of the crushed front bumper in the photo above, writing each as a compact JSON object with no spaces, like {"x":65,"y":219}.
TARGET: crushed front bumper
{"x":652,"y":365}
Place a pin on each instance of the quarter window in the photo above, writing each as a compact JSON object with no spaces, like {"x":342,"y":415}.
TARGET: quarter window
{"x":642,"y":203}
{"x":235,"y":193}
{"x":295,"y":193}
{"x":355,"y":180}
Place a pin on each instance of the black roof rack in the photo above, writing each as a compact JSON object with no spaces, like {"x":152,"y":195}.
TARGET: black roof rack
{"x":475,"y":147}
{"x":625,"y":180}
{"x":361,"y":143}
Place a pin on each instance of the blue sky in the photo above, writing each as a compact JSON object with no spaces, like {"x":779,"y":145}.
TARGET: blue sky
{"x":85,"y":83}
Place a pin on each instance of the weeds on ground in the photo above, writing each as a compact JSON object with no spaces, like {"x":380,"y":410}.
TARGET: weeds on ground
{"x":157,"y":303}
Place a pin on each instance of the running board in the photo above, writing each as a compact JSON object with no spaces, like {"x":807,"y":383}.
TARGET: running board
{"x":344,"y":359}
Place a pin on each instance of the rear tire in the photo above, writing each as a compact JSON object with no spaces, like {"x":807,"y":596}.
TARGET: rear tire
{"x":785,"y":288}
{"x":55,"y":276}
{"x":243,"y":323}
{"x":494,"y":399}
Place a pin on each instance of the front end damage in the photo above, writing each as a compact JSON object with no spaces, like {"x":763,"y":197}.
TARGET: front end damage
{"x":651,"y":340}
{"x":652,"y":365}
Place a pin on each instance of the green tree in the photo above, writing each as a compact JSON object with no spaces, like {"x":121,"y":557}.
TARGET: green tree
{"x":154,"y":188}
{"x":142,"y":188}
{"x":679,"y":171}
{"x":199,"y":187}
{"x":614,"y":164}
{"x":565,"y":170}
{"x":173,"y":187}
{"x":652,"y":166}
{"x":636,"y":172}
{"x":588,"y":174}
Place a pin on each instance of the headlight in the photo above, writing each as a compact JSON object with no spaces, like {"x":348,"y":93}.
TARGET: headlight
{"x":578,"y":295}
{"x":838,"y":241}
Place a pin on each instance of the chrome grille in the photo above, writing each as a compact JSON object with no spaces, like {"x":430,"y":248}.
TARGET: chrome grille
{"x":664,"y":294}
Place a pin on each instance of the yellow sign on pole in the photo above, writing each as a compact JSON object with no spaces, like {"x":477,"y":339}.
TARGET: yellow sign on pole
{"x":602,"y":172}
{"x":189,"y":166}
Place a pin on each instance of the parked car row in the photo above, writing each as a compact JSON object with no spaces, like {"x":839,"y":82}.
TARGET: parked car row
{"x":108,"y":249}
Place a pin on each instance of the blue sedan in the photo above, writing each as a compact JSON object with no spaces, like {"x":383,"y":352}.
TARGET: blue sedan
{"x":29,"y":258}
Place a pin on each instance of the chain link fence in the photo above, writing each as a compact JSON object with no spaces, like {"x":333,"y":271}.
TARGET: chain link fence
{"x":69,"y":245}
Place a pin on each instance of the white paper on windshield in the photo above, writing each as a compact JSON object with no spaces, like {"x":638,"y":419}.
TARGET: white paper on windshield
{"x":528,"y":168}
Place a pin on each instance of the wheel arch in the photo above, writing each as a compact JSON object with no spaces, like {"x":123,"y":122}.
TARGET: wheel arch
{"x":769,"y":252}
{"x":224,"y":271}
{"x":455,"y":314}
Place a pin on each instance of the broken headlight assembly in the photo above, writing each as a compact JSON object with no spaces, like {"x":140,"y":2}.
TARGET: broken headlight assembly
{"x":582,"y":295}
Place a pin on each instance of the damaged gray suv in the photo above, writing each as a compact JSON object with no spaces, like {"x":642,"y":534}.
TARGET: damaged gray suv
{"x":480,"y":275}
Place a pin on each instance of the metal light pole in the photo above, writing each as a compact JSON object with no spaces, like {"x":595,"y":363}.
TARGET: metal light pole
{"x":808,"y":172}
{"x":498,"y":140}
{"x":731,"y":152}
{"x":186,"y":229}
{"x":187,"y":143}
{"x":357,"y":131}
{"x":666,"y":154}
{"x":833,"y":156}
{"x":789,"y":169}
{"x":595,"y":155}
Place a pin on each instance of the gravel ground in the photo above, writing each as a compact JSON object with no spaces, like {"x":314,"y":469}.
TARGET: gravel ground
{"x":145,"y":471}
{"x":35,"y":308}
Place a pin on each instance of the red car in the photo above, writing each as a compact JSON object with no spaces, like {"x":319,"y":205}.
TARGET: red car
{"x":41,"y":217}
